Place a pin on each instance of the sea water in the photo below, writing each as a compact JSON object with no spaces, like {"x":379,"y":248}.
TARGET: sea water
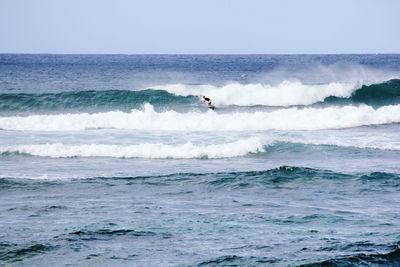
{"x":114,"y":160}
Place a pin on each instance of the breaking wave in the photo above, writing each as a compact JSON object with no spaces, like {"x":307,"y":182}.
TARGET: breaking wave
{"x":285,"y":94}
{"x":242,"y":147}
{"x":386,"y":93}
{"x":144,"y":150}
{"x":148,"y":119}
{"x":295,"y":93}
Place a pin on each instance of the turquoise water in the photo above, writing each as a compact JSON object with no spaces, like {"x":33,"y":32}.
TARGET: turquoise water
{"x":115,"y":160}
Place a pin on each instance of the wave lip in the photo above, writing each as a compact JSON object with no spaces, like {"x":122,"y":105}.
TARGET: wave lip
{"x":287,"y":93}
{"x":376,"y":95}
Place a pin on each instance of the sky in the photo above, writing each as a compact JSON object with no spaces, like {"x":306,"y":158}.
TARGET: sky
{"x":200,"y":27}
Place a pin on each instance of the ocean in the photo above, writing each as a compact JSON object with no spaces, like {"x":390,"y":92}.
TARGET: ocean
{"x":114,"y":160}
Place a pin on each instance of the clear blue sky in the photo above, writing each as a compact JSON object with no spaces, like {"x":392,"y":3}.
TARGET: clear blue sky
{"x":200,"y":27}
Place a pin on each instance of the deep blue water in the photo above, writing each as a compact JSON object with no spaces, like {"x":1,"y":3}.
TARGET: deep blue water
{"x":114,"y":160}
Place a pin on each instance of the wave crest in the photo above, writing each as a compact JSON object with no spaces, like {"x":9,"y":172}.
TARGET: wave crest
{"x":241,"y":147}
{"x":144,"y":150}
{"x":376,"y":95}
{"x":287,"y":93}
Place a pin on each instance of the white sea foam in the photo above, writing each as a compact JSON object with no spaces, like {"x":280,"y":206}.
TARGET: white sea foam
{"x":287,"y":93}
{"x":145,"y":150}
{"x":148,"y":119}
{"x":188,"y":150}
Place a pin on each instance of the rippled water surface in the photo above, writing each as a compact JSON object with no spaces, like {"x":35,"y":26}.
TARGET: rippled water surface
{"x":115,"y":160}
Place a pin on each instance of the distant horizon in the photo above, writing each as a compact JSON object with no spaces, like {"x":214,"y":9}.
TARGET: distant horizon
{"x":194,"y":54}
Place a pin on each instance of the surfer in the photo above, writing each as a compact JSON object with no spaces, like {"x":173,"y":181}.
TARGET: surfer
{"x":206,"y":99}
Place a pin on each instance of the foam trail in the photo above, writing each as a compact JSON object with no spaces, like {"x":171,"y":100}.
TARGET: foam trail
{"x":284,"y":94}
{"x":148,"y":119}
{"x":145,"y":150}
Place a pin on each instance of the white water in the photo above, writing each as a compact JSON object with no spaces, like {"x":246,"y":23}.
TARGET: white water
{"x":148,"y":119}
{"x":287,"y":93}
{"x":144,"y":150}
{"x":188,"y":150}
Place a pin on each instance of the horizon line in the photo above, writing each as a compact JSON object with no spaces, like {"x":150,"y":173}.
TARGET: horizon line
{"x":196,"y":54}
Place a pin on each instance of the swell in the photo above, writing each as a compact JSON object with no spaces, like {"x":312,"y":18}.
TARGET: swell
{"x":385,"y":259}
{"x":234,"y":260}
{"x":108,"y":234}
{"x":12,"y":252}
{"x":89,"y":101}
{"x":281,"y":174}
